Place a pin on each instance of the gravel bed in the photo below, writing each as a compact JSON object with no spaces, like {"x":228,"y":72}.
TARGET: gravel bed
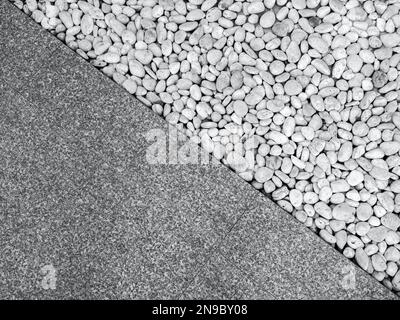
{"x":299,"y":97}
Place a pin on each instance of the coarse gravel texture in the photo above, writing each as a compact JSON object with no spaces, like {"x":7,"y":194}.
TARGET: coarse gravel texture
{"x":300,"y":98}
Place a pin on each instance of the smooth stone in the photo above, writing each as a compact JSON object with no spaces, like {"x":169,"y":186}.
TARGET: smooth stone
{"x":357,"y":14}
{"x":380,"y":173}
{"x":379,"y":79}
{"x":128,"y":36}
{"x":395,"y":186}
{"x":223,"y":81}
{"x":345,"y":151}
{"x":87,"y":24}
{"x":354,"y":62}
{"x":386,"y":200}
{"x":343,"y":212}
{"x":323,"y":210}
{"x":240,"y":108}
{"x":66,"y":19}
{"x":130,"y":85}
{"x":277,"y":137}
{"x":136,"y":69}
{"x":255,"y":96}
{"x":263,"y":174}
{"x":255,"y":7}
{"x":292,"y":88}
{"x":267,"y":20}
{"x":378,"y":262}
{"x":214,"y":56}
{"x":341,"y":239}
{"x":355,"y":177}
{"x":390,"y":147}
{"x":330,"y":238}
{"x":362,"y":259}
{"x":117,"y":26}
{"x":378,"y":234}
{"x":391,"y":221}
{"x":364,"y":211}
{"x":236,"y":79}
{"x":293,"y":52}
{"x":390,"y":40}
{"x":392,"y":254}
{"x":280,"y":29}
{"x":111,"y":57}
{"x":360,"y":129}
{"x":195,"y":15}
{"x":396,"y":281}
{"x":319,"y":44}
{"x":296,"y":198}
{"x":144,"y":56}
{"x":340,"y":186}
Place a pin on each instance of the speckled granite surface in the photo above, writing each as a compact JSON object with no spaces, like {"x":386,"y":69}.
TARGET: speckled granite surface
{"x":77,"y":194}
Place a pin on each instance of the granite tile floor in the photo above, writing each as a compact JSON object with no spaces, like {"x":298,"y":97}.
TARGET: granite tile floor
{"x":80,"y":197}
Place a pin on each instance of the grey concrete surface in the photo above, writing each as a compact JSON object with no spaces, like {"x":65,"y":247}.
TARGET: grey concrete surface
{"x":77,"y":193}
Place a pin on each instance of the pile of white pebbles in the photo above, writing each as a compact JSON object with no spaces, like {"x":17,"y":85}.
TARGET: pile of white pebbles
{"x":299,"y":97}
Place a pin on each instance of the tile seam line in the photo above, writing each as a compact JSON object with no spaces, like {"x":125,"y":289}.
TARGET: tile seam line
{"x":314,"y":235}
{"x":208,"y":258}
{"x":345,"y":259}
{"x":216,"y":250}
{"x":323,"y":243}
{"x":62,"y":45}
